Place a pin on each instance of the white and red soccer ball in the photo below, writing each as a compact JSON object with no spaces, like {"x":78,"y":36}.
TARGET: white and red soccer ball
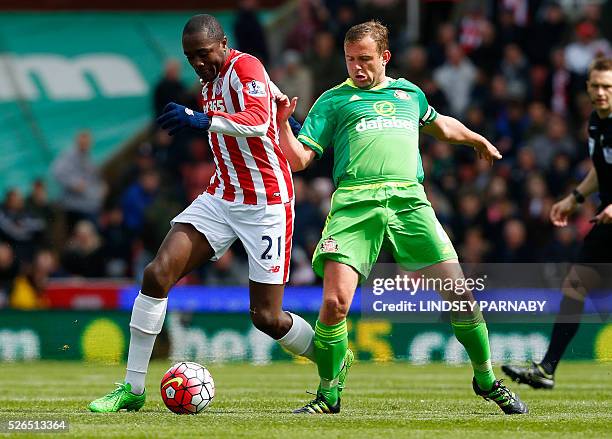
{"x":187,"y":388}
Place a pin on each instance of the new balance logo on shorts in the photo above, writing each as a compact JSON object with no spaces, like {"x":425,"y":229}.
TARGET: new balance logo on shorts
{"x":274,"y":269}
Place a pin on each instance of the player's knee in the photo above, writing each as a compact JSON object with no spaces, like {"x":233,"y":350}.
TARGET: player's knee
{"x":157,"y":276}
{"x":336,"y":306}
{"x":268,"y":322}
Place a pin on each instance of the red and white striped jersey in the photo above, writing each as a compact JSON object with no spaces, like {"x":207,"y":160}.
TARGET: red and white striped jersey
{"x":251,"y":168}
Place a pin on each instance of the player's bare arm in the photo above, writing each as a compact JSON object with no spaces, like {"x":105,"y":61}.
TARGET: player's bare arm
{"x":449,"y":129}
{"x":562,"y":209}
{"x":299,"y":155}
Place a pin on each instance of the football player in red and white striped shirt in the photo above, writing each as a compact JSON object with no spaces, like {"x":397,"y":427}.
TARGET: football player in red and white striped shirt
{"x":250,"y":198}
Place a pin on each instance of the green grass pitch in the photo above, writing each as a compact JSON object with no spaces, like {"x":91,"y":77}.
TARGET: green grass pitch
{"x":381,"y":400}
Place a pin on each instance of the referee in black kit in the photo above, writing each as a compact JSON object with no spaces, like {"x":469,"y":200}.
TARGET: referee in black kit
{"x":597,"y":247}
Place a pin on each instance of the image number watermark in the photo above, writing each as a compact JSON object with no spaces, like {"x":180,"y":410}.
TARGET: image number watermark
{"x":14,"y":426}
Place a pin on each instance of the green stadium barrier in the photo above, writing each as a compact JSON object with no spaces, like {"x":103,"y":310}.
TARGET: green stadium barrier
{"x":95,"y":336}
{"x":78,"y":70}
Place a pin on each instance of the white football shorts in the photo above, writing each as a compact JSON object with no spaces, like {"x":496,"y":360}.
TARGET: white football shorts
{"x":264,"y":230}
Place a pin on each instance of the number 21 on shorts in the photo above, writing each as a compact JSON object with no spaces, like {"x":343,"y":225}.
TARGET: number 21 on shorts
{"x":269,"y":250}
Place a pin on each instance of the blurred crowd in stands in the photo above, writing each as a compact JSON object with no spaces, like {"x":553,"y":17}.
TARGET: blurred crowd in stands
{"x":512,"y":70}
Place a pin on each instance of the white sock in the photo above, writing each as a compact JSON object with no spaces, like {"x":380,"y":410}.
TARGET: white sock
{"x":298,"y":340}
{"x":147,"y":321}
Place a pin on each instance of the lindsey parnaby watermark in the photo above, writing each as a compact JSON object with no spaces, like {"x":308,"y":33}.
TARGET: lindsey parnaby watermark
{"x":461,"y":306}
{"x":410,"y":285}
{"x":505,"y":293}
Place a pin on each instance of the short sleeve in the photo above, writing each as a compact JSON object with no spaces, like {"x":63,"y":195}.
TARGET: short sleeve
{"x":320,"y":125}
{"x":427,"y":113}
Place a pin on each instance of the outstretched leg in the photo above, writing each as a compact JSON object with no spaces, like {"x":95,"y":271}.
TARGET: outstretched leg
{"x":183,"y":250}
{"x":471,"y":331}
{"x":331,"y":351}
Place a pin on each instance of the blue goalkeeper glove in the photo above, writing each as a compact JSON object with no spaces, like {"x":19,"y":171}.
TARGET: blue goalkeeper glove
{"x":176,"y":117}
{"x":295,"y":126}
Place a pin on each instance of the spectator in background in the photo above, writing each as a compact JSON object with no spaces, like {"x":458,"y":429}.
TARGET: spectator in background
{"x":515,"y":70}
{"x":498,"y":209}
{"x":538,"y":118}
{"x":83,"y":189}
{"x":117,"y":247}
{"x":486,"y":55}
{"x":38,"y":206}
{"x":524,"y":166}
{"x":559,"y":83}
{"x":555,"y":141}
{"x":308,"y":216}
{"x":507,"y":30}
{"x":250,"y":35}
{"x":143,"y":160}
{"x":515,"y":248}
{"x":18,"y":227}
{"x":456,"y":78}
{"x":546,"y":33}
{"x":156,"y":219}
{"x":563,"y":247}
{"x":325,"y":63}
{"x":588,"y":45}
{"x":471,"y":29}
{"x":83,"y":254}
{"x":170,"y":88}
{"x":469,"y":215}
{"x":446,"y":36}
{"x":343,"y":16}
{"x":476,"y":120}
{"x":536,"y":208}
{"x":295,"y":79}
{"x":475,"y":247}
{"x":9,"y":269}
{"x":495,"y":98}
{"x":510,"y":127}
{"x":413,"y":66}
{"x":28,"y":290}
{"x":311,"y":16}
{"x":519,"y":10}
{"x":560,"y":174}
{"x":137,"y":198}
{"x":301,"y":268}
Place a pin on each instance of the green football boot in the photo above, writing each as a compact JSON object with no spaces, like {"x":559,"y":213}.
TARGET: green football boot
{"x":348,"y":362}
{"x":507,"y":400}
{"x":120,"y":398}
{"x":319,"y":406}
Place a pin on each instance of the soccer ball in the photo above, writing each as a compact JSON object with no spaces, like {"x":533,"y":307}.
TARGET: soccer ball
{"x":187,"y":388}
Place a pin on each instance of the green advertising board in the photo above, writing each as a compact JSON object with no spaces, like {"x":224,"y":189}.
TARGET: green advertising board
{"x":62,"y":72}
{"x":95,"y":336}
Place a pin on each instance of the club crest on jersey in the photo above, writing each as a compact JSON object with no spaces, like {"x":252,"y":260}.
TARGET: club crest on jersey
{"x":329,"y":245}
{"x":256,"y":88}
{"x":401,"y":94}
{"x":218,"y":86}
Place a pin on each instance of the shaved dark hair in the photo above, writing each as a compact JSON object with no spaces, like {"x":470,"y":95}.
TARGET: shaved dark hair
{"x":206,"y":24}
